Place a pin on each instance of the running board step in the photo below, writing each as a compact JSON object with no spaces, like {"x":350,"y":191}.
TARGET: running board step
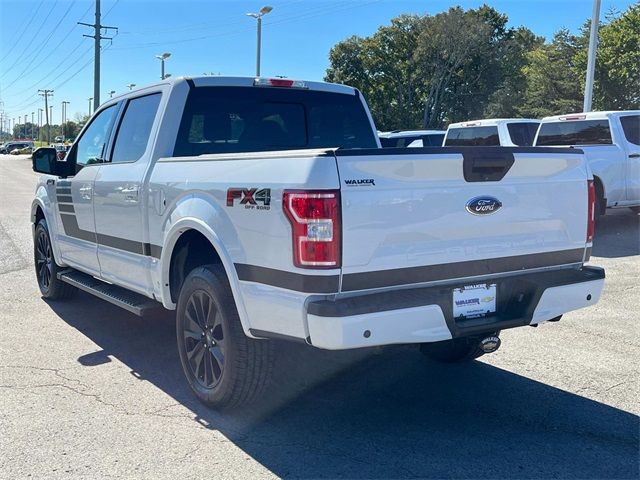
{"x":123,"y":298}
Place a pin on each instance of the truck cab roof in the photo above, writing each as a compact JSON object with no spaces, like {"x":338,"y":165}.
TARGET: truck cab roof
{"x":602,"y":115}
{"x":223,"y":81}
{"x":490,"y":122}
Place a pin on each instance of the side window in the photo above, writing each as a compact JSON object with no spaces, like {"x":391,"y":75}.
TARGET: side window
{"x":91,"y":147}
{"x":133,"y":133}
{"x":631,"y":127}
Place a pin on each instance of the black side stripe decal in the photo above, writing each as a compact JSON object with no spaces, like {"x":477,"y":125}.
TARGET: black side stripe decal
{"x":66,"y":208}
{"x":289,"y":280}
{"x":65,"y":198}
{"x":405,"y":276}
{"x":71,"y":228}
{"x":63,"y":191}
{"x":451,"y":271}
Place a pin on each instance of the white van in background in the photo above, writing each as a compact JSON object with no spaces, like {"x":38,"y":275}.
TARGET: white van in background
{"x":507,"y":132}
{"x":611,"y":143}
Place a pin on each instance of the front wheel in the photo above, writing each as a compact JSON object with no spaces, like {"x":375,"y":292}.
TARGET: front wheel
{"x":455,"y":350}
{"x":223,"y":366}
{"x":47,"y":269}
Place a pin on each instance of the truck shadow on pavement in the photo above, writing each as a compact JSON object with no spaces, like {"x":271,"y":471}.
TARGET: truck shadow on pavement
{"x":617,"y":235}
{"x":387,"y":413}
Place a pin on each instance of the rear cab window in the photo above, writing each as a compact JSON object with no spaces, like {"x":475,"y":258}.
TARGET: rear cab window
{"x":472,"y":136}
{"x":631,"y":127}
{"x":255,"y":119}
{"x":522,"y":133}
{"x":580,"y":132}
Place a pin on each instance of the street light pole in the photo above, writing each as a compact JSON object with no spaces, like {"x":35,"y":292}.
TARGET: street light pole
{"x":64,"y":117}
{"x":162,"y":58}
{"x":90,"y":100}
{"x":591,"y":59}
{"x":111,"y":93}
{"x":258,"y":16}
{"x":131,"y":85}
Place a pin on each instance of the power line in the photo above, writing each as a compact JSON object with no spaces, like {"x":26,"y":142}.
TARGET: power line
{"x":57,"y":65}
{"x":39,"y":51}
{"x":19,"y":57}
{"x":97,"y":37}
{"x":20,"y":35}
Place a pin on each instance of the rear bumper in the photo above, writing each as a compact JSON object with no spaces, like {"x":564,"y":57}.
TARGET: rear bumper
{"x":426,"y":314}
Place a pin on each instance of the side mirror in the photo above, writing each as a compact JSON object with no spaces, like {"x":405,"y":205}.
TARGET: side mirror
{"x":45,"y":160}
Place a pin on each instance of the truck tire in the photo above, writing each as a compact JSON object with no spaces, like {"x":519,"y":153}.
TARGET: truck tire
{"x":223,"y":366}
{"x":46,"y":267}
{"x":635,"y":209}
{"x":455,"y":350}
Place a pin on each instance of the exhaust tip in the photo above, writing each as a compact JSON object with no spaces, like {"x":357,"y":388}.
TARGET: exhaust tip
{"x":490,"y":344}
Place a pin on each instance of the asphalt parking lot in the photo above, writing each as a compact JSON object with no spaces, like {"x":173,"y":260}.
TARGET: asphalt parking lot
{"x":90,"y":391}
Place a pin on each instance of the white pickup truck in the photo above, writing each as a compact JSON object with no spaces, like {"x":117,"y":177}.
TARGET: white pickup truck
{"x":611,"y":143}
{"x":508,"y":132}
{"x":265,"y":208}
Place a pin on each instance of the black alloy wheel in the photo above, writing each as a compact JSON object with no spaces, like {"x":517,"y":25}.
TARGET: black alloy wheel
{"x":203,"y":337}
{"x":44,"y":260}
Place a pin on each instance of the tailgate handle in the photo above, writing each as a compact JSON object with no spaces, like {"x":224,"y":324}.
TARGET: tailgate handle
{"x":486,"y":166}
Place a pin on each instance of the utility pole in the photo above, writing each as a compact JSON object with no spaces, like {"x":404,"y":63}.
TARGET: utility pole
{"x":97,"y":36}
{"x":32,"y":137}
{"x":46,"y":94}
{"x":591,"y":59}
{"x":90,"y":99}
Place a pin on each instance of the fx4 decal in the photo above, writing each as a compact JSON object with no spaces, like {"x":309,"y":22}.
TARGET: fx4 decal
{"x":250,"y":197}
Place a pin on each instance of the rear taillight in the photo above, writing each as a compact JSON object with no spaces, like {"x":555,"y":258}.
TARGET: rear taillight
{"x":591,"y":210}
{"x":315,"y":222}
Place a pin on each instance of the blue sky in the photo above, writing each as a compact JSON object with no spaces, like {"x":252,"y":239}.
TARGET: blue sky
{"x":42,"y":47}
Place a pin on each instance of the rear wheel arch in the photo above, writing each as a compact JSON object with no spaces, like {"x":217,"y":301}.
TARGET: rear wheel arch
{"x":190,"y":246}
{"x":601,"y":197}
{"x":192,"y":249}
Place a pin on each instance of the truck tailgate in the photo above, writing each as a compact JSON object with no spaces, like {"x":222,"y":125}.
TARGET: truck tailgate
{"x":432,"y":214}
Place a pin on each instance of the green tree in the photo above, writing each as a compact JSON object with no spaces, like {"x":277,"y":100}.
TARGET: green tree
{"x":381,"y":67}
{"x":552,"y":81}
{"x":617,"y":75}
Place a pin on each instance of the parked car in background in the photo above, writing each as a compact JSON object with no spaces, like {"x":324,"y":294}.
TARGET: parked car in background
{"x":10,"y":146}
{"x":61,"y":150}
{"x":411,"y":138}
{"x":58,"y":139}
{"x":22,"y":151}
{"x":611,"y":143}
{"x":507,"y":132}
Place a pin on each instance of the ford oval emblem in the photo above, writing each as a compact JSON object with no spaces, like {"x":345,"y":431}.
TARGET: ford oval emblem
{"x":483,"y":205}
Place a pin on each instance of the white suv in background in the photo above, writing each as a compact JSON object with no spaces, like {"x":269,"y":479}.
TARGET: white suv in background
{"x":611,"y":143}
{"x":506,"y":132}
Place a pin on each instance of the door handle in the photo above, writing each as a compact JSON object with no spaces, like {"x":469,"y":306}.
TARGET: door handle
{"x":131,"y":193}
{"x":634,"y":155}
{"x":85,"y":192}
